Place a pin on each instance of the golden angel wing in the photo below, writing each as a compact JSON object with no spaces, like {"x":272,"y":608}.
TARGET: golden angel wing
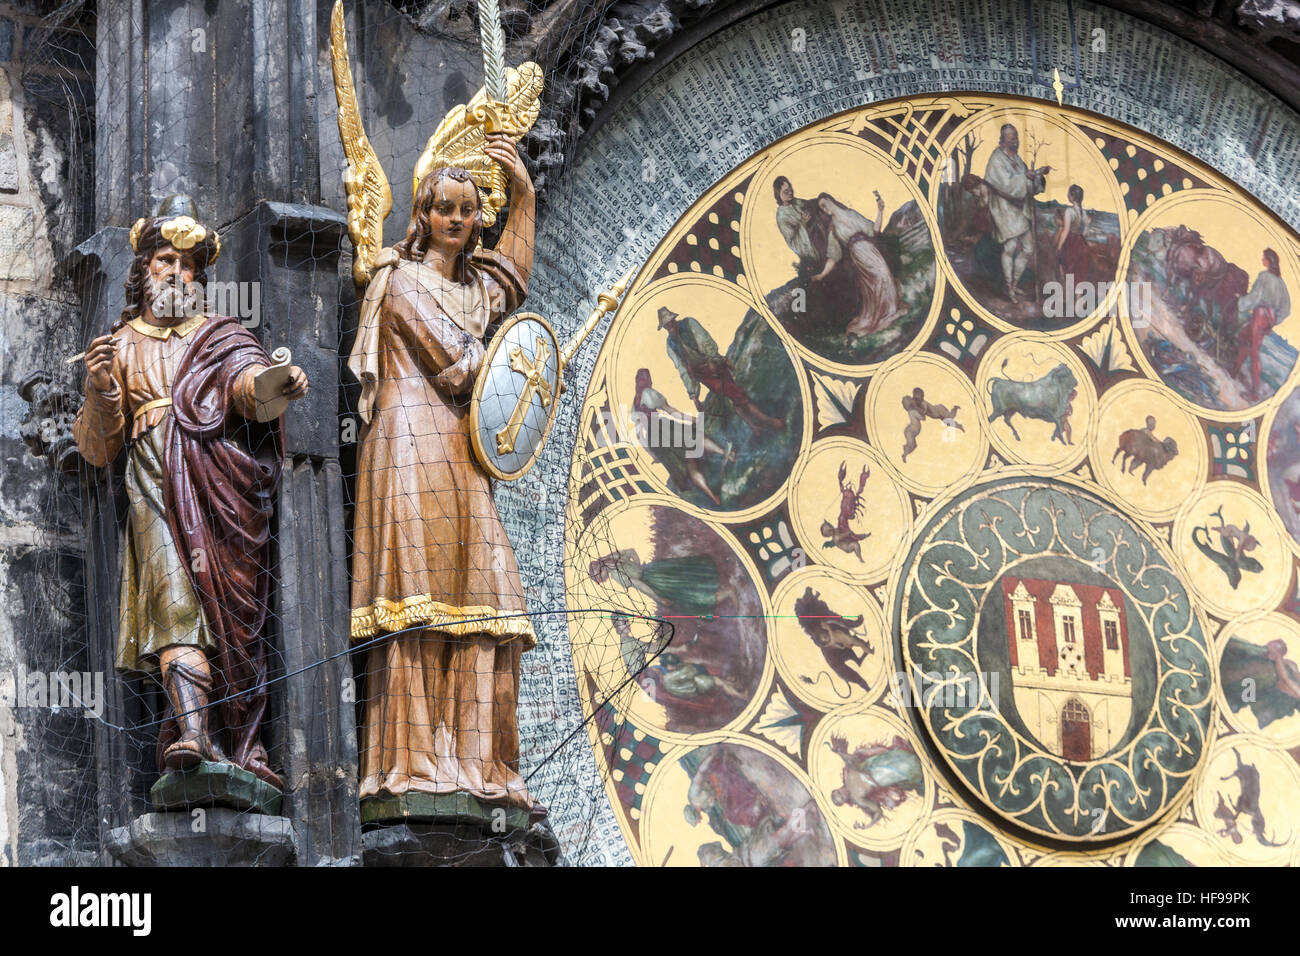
{"x":369,"y":197}
{"x":459,"y":139}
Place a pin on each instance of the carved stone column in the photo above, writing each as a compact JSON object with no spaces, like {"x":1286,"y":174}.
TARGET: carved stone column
{"x":218,"y":99}
{"x":292,"y":251}
{"x":122,"y":769}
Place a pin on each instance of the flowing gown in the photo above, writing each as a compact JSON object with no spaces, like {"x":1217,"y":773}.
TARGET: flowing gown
{"x":878,"y":297}
{"x":430,"y":552}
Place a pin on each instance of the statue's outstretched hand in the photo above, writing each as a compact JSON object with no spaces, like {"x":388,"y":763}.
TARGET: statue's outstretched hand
{"x":296,"y":387}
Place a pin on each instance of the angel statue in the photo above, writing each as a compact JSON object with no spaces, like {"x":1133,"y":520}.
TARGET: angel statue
{"x":432,"y":563}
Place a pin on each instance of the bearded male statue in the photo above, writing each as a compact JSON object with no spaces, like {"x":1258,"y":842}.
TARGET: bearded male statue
{"x":177,"y":386}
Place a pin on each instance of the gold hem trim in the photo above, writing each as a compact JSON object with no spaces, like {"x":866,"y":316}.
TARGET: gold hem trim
{"x":386,"y":615}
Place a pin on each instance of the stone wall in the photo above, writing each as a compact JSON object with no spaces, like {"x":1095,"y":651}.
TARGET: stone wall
{"x":46,"y":83}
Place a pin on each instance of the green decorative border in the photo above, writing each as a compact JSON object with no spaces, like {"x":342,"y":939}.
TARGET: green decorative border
{"x":962,"y":552}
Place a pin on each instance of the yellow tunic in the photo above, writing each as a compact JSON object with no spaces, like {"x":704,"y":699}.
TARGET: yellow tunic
{"x":158,"y":605}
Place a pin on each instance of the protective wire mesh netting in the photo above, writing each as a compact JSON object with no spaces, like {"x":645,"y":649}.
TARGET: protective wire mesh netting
{"x":161,"y":663}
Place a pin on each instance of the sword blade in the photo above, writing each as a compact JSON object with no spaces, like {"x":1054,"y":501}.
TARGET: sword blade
{"x":493,"y":41}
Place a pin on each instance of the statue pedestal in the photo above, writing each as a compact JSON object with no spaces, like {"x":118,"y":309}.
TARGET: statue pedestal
{"x":214,"y":815}
{"x":454,"y":829}
{"x":215,"y":836}
{"x":213,"y":784}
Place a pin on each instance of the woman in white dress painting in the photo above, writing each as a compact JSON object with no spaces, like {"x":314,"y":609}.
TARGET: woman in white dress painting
{"x":851,"y":233}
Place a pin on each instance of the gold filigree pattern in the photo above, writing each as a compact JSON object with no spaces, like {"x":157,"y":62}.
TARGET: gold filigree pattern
{"x":423,"y":609}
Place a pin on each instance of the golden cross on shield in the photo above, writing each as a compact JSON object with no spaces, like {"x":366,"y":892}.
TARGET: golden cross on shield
{"x":535,"y":384}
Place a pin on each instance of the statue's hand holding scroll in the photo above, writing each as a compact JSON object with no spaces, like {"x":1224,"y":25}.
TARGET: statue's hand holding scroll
{"x":296,"y":387}
{"x":270,"y":389}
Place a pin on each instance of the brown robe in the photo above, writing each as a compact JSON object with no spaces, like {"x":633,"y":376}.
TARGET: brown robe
{"x":159,"y":607}
{"x":430,"y":552}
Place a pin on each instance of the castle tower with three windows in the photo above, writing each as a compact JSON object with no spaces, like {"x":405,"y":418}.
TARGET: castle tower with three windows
{"x":1069,"y":651}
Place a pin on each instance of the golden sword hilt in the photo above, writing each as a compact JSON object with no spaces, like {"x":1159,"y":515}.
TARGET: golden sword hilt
{"x":492,"y":116}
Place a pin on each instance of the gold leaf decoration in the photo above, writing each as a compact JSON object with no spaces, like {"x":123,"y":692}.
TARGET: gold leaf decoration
{"x":835,"y":398}
{"x":369,"y":197}
{"x":1107,"y":346}
{"x":461,"y":137}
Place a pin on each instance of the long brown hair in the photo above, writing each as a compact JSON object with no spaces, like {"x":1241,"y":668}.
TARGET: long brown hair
{"x":776,"y":188}
{"x":418,"y":233}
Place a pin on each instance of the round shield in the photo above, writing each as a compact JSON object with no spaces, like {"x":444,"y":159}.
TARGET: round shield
{"x":513,"y":404}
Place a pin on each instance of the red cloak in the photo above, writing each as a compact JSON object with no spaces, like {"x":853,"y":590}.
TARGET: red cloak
{"x":221,"y":474}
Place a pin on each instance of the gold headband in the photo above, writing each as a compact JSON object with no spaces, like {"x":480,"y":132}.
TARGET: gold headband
{"x":181,"y":232}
